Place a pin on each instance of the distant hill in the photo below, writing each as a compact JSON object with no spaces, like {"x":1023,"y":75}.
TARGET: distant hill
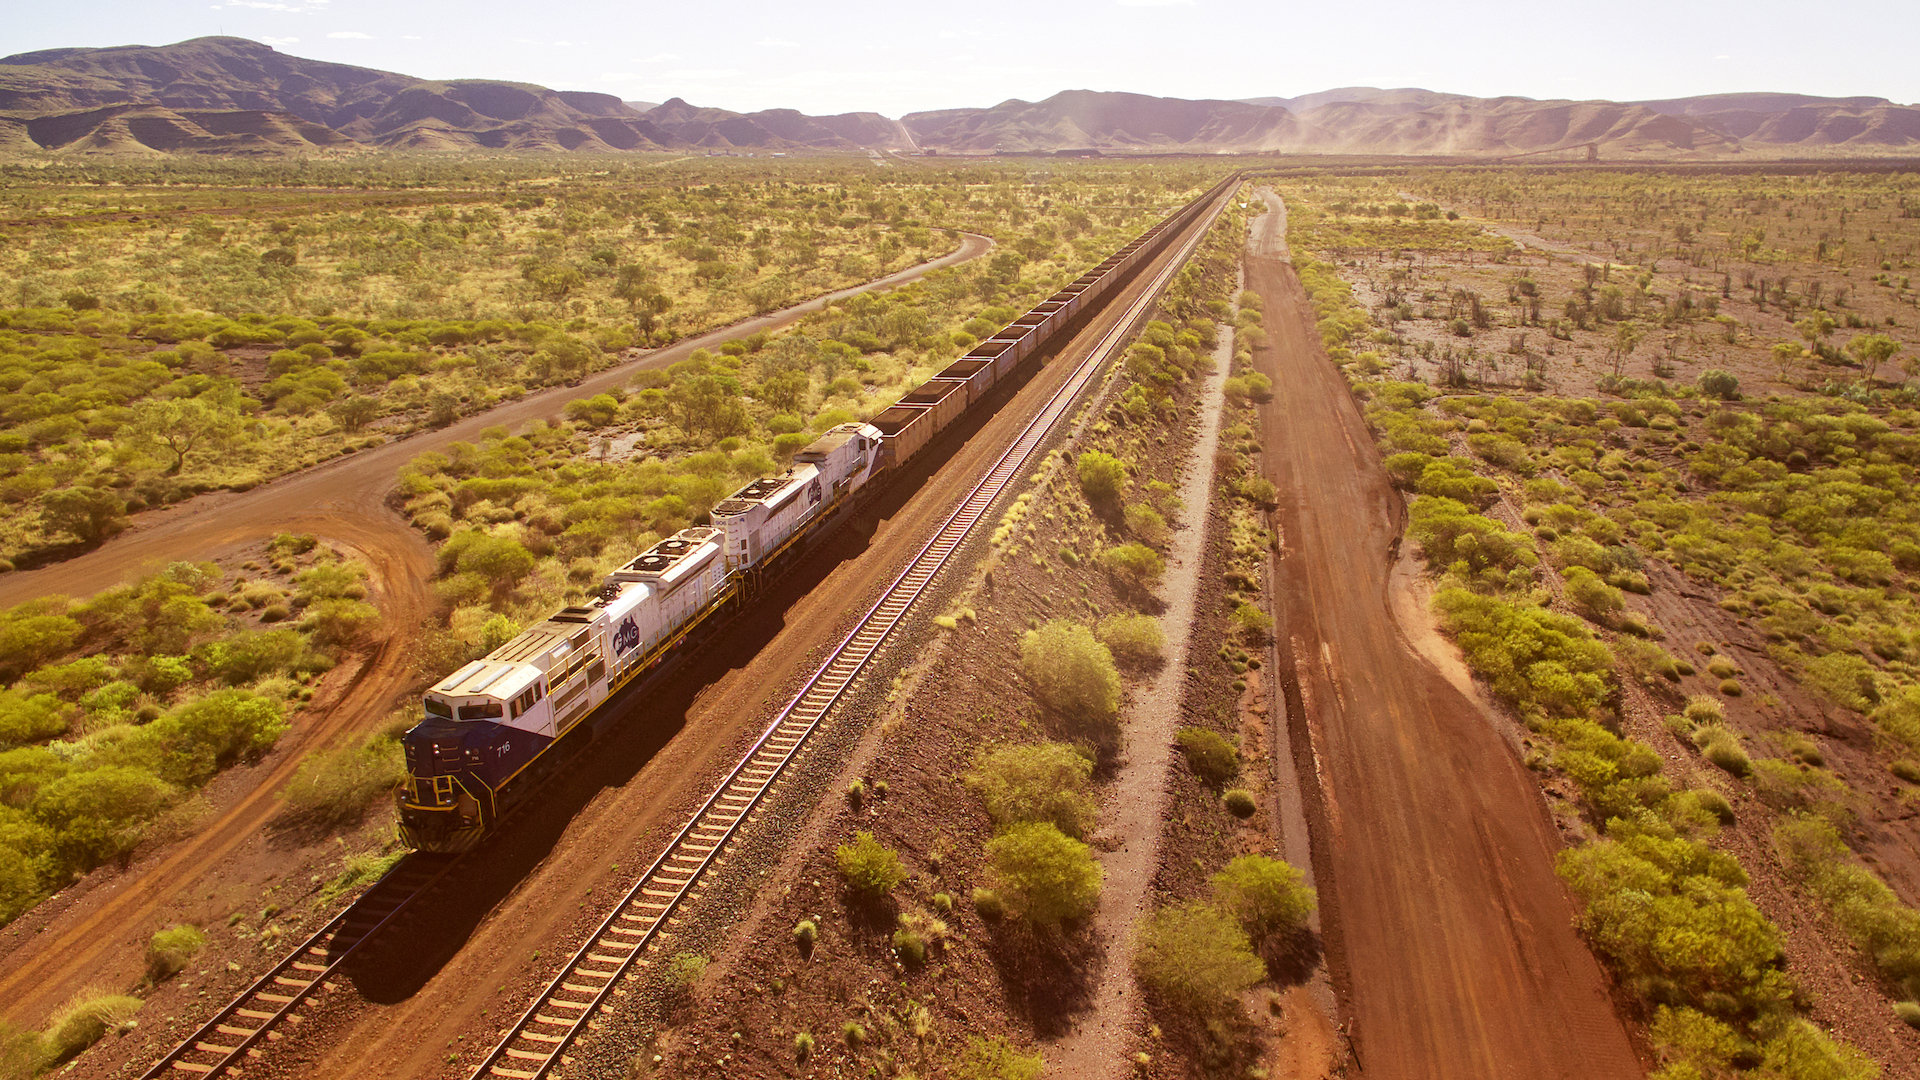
{"x":225,"y":95}
{"x":229,"y":95}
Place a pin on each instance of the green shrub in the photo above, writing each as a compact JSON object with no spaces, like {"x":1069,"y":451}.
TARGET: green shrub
{"x":987,"y":905}
{"x":1672,"y":916}
{"x":917,"y":932}
{"x":1251,"y":624}
{"x":1716,"y":383}
{"x":1722,"y":747}
{"x":1542,"y":663}
{"x":1704,"y":710}
{"x":1211,"y":757}
{"x":1197,"y":959}
{"x":869,"y":868}
{"x":1042,"y":782}
{"x":994,"y":1058}
{"x":1239,"y":802}
{"x":1103,"y":477}
{"x":1147,"y":523}
{"x":335,"y":787}
{"x":1592,"y":596}
{"x":683,"y":971}
{"x":1266,"y":896}
{"x":1731,"y":687}
{"x":1072,"y":673}
{"x":1801,"y":1051}
{"x":169,"y":950}
{"x":1043,"y":875}
{"x":1907,"y":1012}
{"x":1135,"y":566}
{"x":853,"y":1034}
{"x":84,"y":1021}
{"x":1132,"y":637}
{"x":1452,"y":536}
{"x":802,"y":1046}
{"x":805,"y":933}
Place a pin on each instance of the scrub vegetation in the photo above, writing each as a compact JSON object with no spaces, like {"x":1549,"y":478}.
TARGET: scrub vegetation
{"x":1769,"y":501}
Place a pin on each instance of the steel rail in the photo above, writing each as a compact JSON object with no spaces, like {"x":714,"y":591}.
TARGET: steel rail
{"x":534,"y":1045}
{"x":234,"y":1032}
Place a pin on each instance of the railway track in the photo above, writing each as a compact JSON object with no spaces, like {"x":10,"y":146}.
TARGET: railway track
{"x":533,"y":1046}
{"x":233,"y":1036}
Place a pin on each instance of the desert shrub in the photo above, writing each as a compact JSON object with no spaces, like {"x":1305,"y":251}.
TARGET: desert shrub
{"x":987,"y":905}
{"x":1646,"y":661}
{"x":1722,"y":747}
{"x":1209,"y":754}
{"x":1454,"y":478}
{"x":917,"y":932}
{"x":1134,"y":565}
{"x":853,"y":1034}
{"x":1197,"y":959}
{"x":683,"y":971}
{"x":994,"y":1058}
{"x":357,"y":870}
{"x":802,"y":1046}
{"x":1239,"y":802}
{"x":1672,"y":916}
{"x":84,"y":1021}
{"x":1899,"y":719}
{"x":1719,"y":384}
{"x":1454,"y":537}
{"x":31,"y":718}
{"x":1870,"y":912}
{"x":100,"y":813}
{"x":1907,"y":1012}
{"x":869,"y":868}
{"x":1043,"y":875}
{"x":1541,"y":662}
{"x":1147,"y":523}
{"x":1132,"y":637}
{"x":1042,"y":782}
{"x":1103,"y":477}
{"x":1801,"y":1051}
{"x":335,"y":787}
{"x":1702,"y":709}
{"x":805,"y":933}
{"x":1592,"y":596}
{"x":1265,"y":896}
{"x":1072,"y":673}
{"x":169,"y":950}
{"x":1251,"y":623}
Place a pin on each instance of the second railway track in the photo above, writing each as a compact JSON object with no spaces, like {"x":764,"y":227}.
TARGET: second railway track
{"x":533,"y":1046}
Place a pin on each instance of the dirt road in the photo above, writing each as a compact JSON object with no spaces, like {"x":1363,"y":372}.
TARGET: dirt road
{"x":99,"y":937}
{"x":1450,"y":937}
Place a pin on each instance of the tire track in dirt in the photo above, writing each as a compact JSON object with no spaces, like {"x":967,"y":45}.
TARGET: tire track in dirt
{"x":1450,"y":937}
{"x":99,"y":938}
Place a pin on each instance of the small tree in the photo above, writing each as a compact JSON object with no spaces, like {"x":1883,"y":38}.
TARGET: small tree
{"x":1043,"y":875}
{"x":180,"y":425}
{"x":1198,"y":959}
{"x":1072,"y":673}
{"x":354,"y":413}
{"x":1872,"y":350}
{"x":870,"y":868}
{"x":1103,"y":478}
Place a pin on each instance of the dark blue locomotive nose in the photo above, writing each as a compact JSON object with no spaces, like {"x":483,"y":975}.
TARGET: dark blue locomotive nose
{"x":456,"y":771}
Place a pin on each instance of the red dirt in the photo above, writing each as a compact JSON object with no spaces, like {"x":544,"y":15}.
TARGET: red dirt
{"x":98,"y":937}
{"x":1450,"y":938}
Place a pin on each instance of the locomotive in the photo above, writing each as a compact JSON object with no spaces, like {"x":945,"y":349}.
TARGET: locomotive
{"x":489,"y":727}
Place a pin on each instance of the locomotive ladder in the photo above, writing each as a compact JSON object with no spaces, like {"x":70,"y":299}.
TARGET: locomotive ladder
{"x":533,"y":1046}
{"x":228,"y":1040}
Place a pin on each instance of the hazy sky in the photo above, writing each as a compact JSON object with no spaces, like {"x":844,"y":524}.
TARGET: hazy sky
{"x":902,"y":56}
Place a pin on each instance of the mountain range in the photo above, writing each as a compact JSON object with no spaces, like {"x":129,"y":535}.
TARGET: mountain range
{"x":225,"y":95}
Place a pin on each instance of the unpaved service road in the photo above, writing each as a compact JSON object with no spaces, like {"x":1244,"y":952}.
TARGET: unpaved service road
{"x":1449,"y":935}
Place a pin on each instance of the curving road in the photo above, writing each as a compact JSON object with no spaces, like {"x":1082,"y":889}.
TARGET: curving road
{"x":1450,"y":938}
{"x":344,"y":501}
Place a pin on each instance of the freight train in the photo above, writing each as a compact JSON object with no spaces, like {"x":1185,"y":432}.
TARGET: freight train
{"x":491,"y":727}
